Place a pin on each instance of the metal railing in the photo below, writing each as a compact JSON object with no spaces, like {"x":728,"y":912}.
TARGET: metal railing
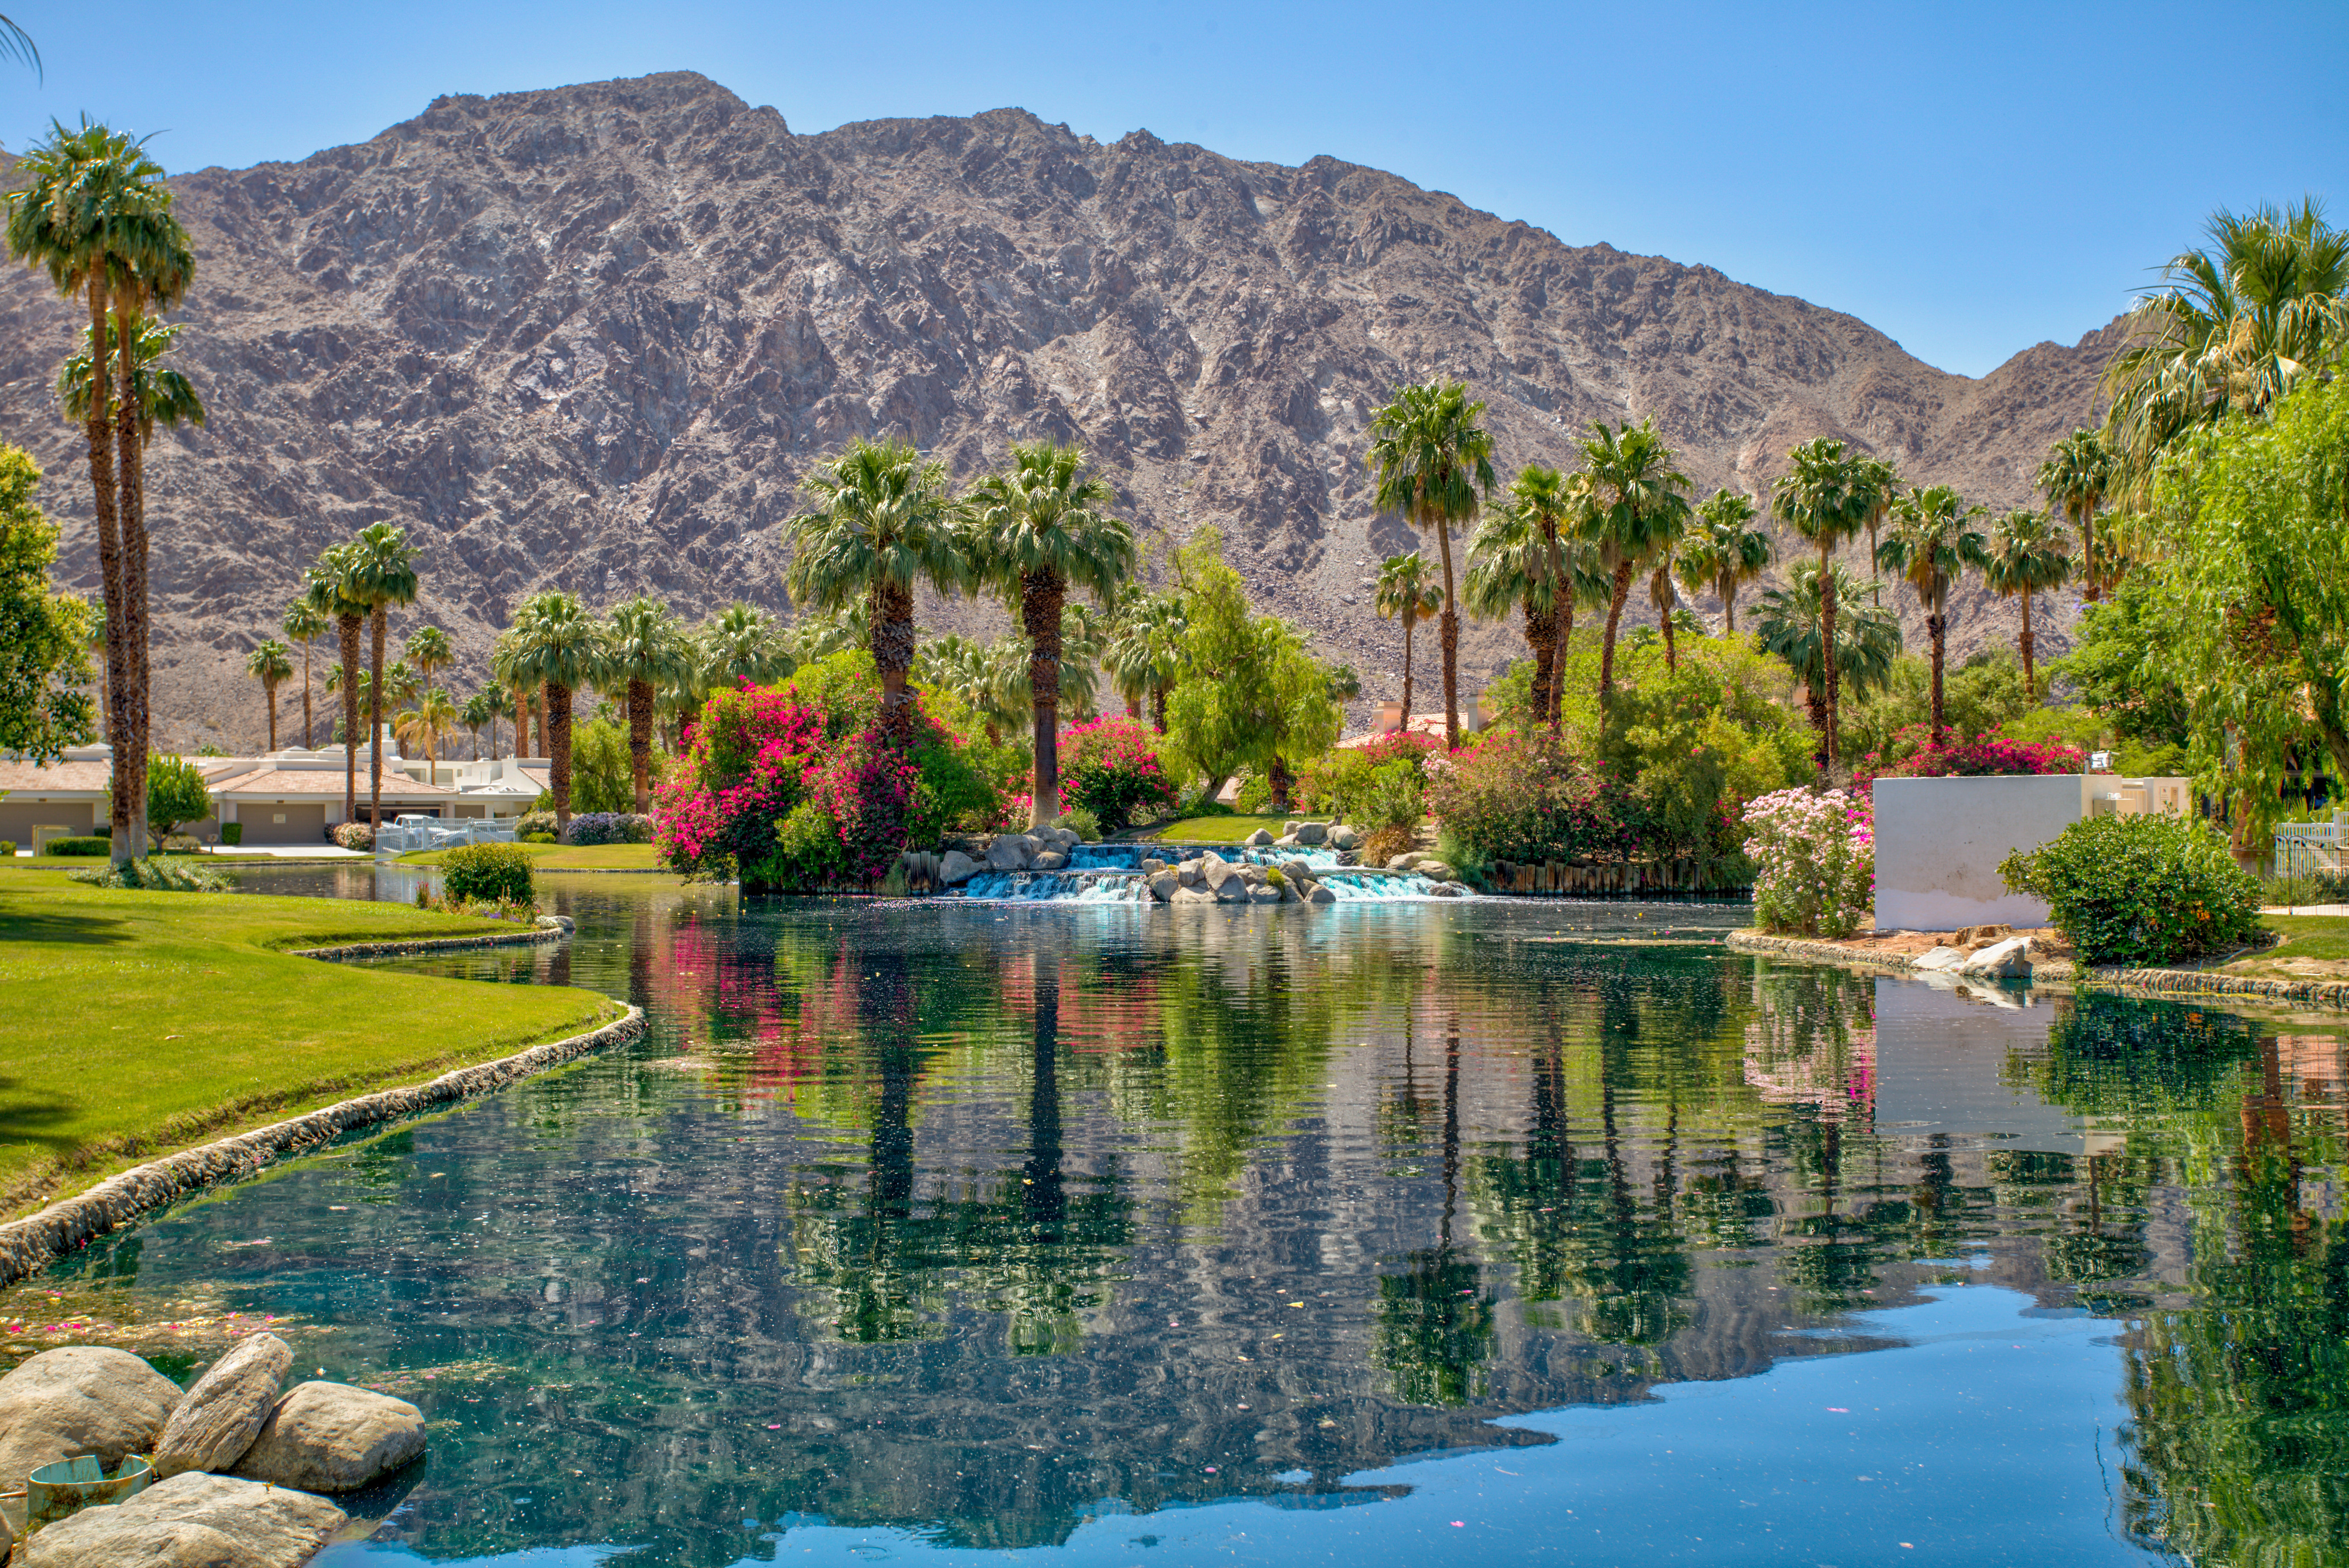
{"x":404,"y":834}
{"x":2310,"y":849}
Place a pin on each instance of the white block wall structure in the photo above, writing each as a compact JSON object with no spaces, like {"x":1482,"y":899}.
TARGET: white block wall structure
{"x":1938,"y":840}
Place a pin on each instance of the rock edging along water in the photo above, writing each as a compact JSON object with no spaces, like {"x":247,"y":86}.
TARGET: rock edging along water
{"x":2194,"y":981}
{"x":2006,"y":959}
{"x":31,"y":1244}
{"x":548,"y":928}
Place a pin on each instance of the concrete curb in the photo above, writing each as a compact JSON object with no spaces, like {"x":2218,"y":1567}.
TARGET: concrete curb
{"x":550,"y":928}
{"x":30,"y":1245}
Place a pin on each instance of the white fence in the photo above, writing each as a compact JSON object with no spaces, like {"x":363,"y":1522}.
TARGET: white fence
{"x":2306,"y":849}
{"x":406,"y":833}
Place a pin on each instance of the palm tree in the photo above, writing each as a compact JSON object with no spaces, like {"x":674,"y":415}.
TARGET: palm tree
{"x":1826,"y":497}
{"x":1511,"y":563}
{"x":428,"y":650}
{"x":1431,"y":462}
{"x":2026,"y":557}
{"x":1405,"y":594}
{"x":269,"y":663}
{"x":14,"y":40}
{"x":1040,"y":528}
{"x":1723,"y":551}
{"x":884,"y":523}
{"x":1792,"y":624}
{"x":479,"y":712}
{"x":1631,"y":504}
{"x":2229,"y":328}
{"x":2074,"y":477}
{"x":334,"y":591}
{"x":1932,"y":547}
{"x":645,"y":649}
{"x":506,"y":672}
{"x":1661,"y":595}
{"x":970,"y":674}
{"x":1144,"y":653}
{"x":435,"y":713}
{"x":304,"y":624}
{"x":558,"y":650}
{"x":401,"y":683}
{"x":740,"y":646}
{"x":1876,"y":484}
{"x":1547,"y":500}
{"x":383,"y":570}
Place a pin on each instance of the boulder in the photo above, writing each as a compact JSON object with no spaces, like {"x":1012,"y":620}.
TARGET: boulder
{"x":1343,"y":837}
{"x":331,"y":1437}
{"x":1011,"y":853}
{"x":1187,"y":873}
{"x":1263,"y":892}
{"x":1060,"y":838}
{"x":1193,"y":896}
{"x":80,"y":1399}
{"x":1448,"y":890}
{"x":1215,"y":871}
{"x":1402,"y":862}
{"x":1260,"y":839}
{"x":1939,"y":960}
{"x":1312,"y":832}
{"x":223,"y":1411}
{"x":1289,"y":829}
{"x":1286,"y":841}
{"x":193,"y":1520}
{"x":1151,"y":865}
{"x":1163,"y":885}
{"x":1053,"y":860}
{"x":1253,"y":875}
{"x":1234,"y":889}
{"x":1290,"y":891}
{"x":1973,"y":937}
{"x":1434,"y":870}
{"x":1318,"y":893}
{"x":956,"y":868}
{"x":2007,"y":960}
{"x":1297,"y":870}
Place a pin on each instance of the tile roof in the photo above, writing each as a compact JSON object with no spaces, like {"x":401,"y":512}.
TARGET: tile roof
{"x":54,"y":775}
{"x":327,"y":782}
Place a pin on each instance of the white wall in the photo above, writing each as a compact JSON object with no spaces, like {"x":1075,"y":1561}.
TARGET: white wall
{"x":1939,"y":842}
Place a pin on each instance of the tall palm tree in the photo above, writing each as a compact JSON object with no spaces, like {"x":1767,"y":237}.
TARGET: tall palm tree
{"x":740,"y":646}
{"x":1663,"y":596}
{"x":1405,"y":594}
{"x":505,"y":670}
{"x":426,"y":651}
{"x":1875,"y":485}
{"x":383,"y":570}
{"x":558,"y":649}
{"x":2230,"y":328}
{"x":1826,"y":497}
{"x":14,"y":40}
{"x":1792,"y":624}
{"x":401,"y":683}
{"x":971,"y":674}
{"x":1547,"y":502}
{"x":2074,"y":477}
{"x":304,"y":624}
{"x":269,"y":663}
{"x":1431,"y":462}
{"x":332,"y":590}
{"x":1723,"y":551}
{"x":1144,"y":653}
{"x":1933,"y":548}
{"x":1513,"y":564}
{"x":2026,"y":556}
{"x":1631,"y":503}
{"x":479,"y":713}
{"x":645,"y":649}
{"x":884,"y":521}
{"x":1041,"y":527}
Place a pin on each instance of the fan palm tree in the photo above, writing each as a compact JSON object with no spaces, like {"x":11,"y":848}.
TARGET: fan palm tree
{"x":2026,"y":556}
{"x":505,"y":669}
{"x":557,"y":649}
{"x":2074,"y":477}
{"x":1547,"y":502}
{"x":645,"y":649}
{"x":971,"y":674}
{"x":2232,"y":327}
{"x":14,"y":40}
{"x":883,"y":523}
{"x":740,"y":646}
{"x":1933,"y":548}
{"x":477,"y":715}
{"x":1631,"y":504}
{"x":383,"y":570}
{"x":269,"y":663}
{"x":426,"y":651}
{"x":1509,"y":568}
{"x":401,"y":683}
{"x":332,"y":591}
{"x":1723,"y":551}
{"x":435,"y":714}
{"x":1875,"y":485}
{"x":1406,"y":595}
{"x":1144,"y":653}
{"x":1431,"y":462}
{"x":1792,"y":624}
{"x":1041,"y":527}
{"x":306,"y":624}
{"x":1826,"y":496}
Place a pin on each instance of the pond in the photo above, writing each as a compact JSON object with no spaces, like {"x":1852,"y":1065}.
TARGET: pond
{"x":1497,"y":1230}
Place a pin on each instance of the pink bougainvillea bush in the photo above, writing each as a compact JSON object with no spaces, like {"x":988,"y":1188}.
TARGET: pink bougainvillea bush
{"x":1911,"y":754}
{"x":1110,"y":766}
{"x":1814,"y":861}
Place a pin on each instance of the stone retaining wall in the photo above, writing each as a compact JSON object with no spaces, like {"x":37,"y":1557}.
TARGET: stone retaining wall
{"x":549,"y":928}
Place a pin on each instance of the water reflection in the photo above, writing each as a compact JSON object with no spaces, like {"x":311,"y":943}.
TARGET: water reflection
{"x":981,"y":1223}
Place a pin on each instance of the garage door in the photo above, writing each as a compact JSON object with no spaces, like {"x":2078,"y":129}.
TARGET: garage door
{"x":19,"y":818}
{"x":284,"y":824}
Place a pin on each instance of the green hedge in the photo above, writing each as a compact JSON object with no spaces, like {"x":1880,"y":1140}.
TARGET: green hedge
{"x":487,"y":873}
{"x":77,"y":846}
{"x":2140,"y":890}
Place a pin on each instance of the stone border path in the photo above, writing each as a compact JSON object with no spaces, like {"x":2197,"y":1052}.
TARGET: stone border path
{"x":550,"y":928}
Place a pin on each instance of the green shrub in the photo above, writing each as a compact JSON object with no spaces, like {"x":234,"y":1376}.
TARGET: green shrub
{"x":487,"y":873}
{"x":155,"y":875}
{"x":89,"y":846}
{"x":1275,"y":876}
{"x":1255,"y":794}
{"x":354,"y":835}
{"x":531,"y":822}
{"x":808,"y":852}
{"x":232,"y":833}
{"x":2139,"y":890}
{"x":538,"y":839}
{"x":1082,"y":823}
{"x":8,"y":846}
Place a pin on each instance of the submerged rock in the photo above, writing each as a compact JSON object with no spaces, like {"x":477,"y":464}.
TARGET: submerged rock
{"x":1318,"y":893}
{"x":80,"y":1399}
{"x":223,"y":1411}
{"x":192,"y":1521}
{"x":331,"y":1437}
{"x":956,"y":868}
{"x":2007,"y":960}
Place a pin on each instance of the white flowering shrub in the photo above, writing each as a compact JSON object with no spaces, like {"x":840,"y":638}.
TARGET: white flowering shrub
{"x":1814,"y":862}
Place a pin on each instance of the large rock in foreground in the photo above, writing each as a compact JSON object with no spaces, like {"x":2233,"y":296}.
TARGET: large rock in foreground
{"x":79,"y":1399}
{"x":331,"y":1437}
{"x":192,"y":1522}
{"x":224,"y":1411}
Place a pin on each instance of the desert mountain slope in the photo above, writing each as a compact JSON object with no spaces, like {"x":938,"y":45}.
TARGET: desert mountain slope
{"x":591,"y":336}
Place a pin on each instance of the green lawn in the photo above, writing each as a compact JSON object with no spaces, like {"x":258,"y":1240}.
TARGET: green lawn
{"x":1222,"y":829}
{"x":566,"y":857}
{"x":137,"y":1023}
{"x":2308,"y":941}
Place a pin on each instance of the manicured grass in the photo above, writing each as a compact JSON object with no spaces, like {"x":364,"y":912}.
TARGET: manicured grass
{"x":2322,"y":937}
{"x":1222,"y":829}
{"x":137,"y":1023}
{"x":566,"y":857}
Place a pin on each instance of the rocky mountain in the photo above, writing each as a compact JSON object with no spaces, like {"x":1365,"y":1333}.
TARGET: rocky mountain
{"x":592,"y":336}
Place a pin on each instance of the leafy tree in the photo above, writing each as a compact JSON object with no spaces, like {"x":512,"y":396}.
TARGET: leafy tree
{"x":1827,"y":498}
{"x":2025,"y":557}
{"x":645,"y":649}
{"x":304,"y":624}
{"x":883,"y":523}
{"x":1794,"y":625}
{"x":1932,"y":547}
{"x":175,"y":795}
{"x":1431,"y":460}
{"x":1041,"y":528}
{"x":332,"y":588}
{"x":1634,"y":502}
{"x":2075,"y":478}
{"x":1253,"y":696}
{"x":556,"y":649}
{"x":1723,"y":551}
{"x":2118,"y":667}
{"x":383,"y":573}
{"x":1405,"y":594}
{"x":44,"y":635}
{"x":271,"y":664}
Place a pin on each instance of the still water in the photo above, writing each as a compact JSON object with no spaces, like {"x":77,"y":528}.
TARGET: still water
{"x":1480,"y":1232}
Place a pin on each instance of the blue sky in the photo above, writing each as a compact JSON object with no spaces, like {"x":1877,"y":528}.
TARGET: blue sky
{"x":1970,"y":179}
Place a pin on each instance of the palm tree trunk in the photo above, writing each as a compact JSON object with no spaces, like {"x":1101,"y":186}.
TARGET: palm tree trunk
{"x":640,"y":741}
{"x":1728,"y":606}
{"x":1132,"y":704}
{"x":2030,"y":686}
{"x":1665,"y":615}
{"x":893,"y":651}
{"x":1827,"y":654}
{"x":1040,"y":597}
{"x":1936,"y":627}
{"x":305,"y":696}
{"x":269,"y":689}
{"x":2085,"y":521}
{"x":558,"y":753}
{"x":1407,"y":620}
{"x":1448,"y":635}
{"x":1541,"y":636}
{"x":98,"y":429}
{"x":1561,"y":646}
{"x":375,"y":720}
{"x":131,"y":516}
{"x":1158,"y":707}
{"x":349,"y":627}
{"x":1607,"y":649}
